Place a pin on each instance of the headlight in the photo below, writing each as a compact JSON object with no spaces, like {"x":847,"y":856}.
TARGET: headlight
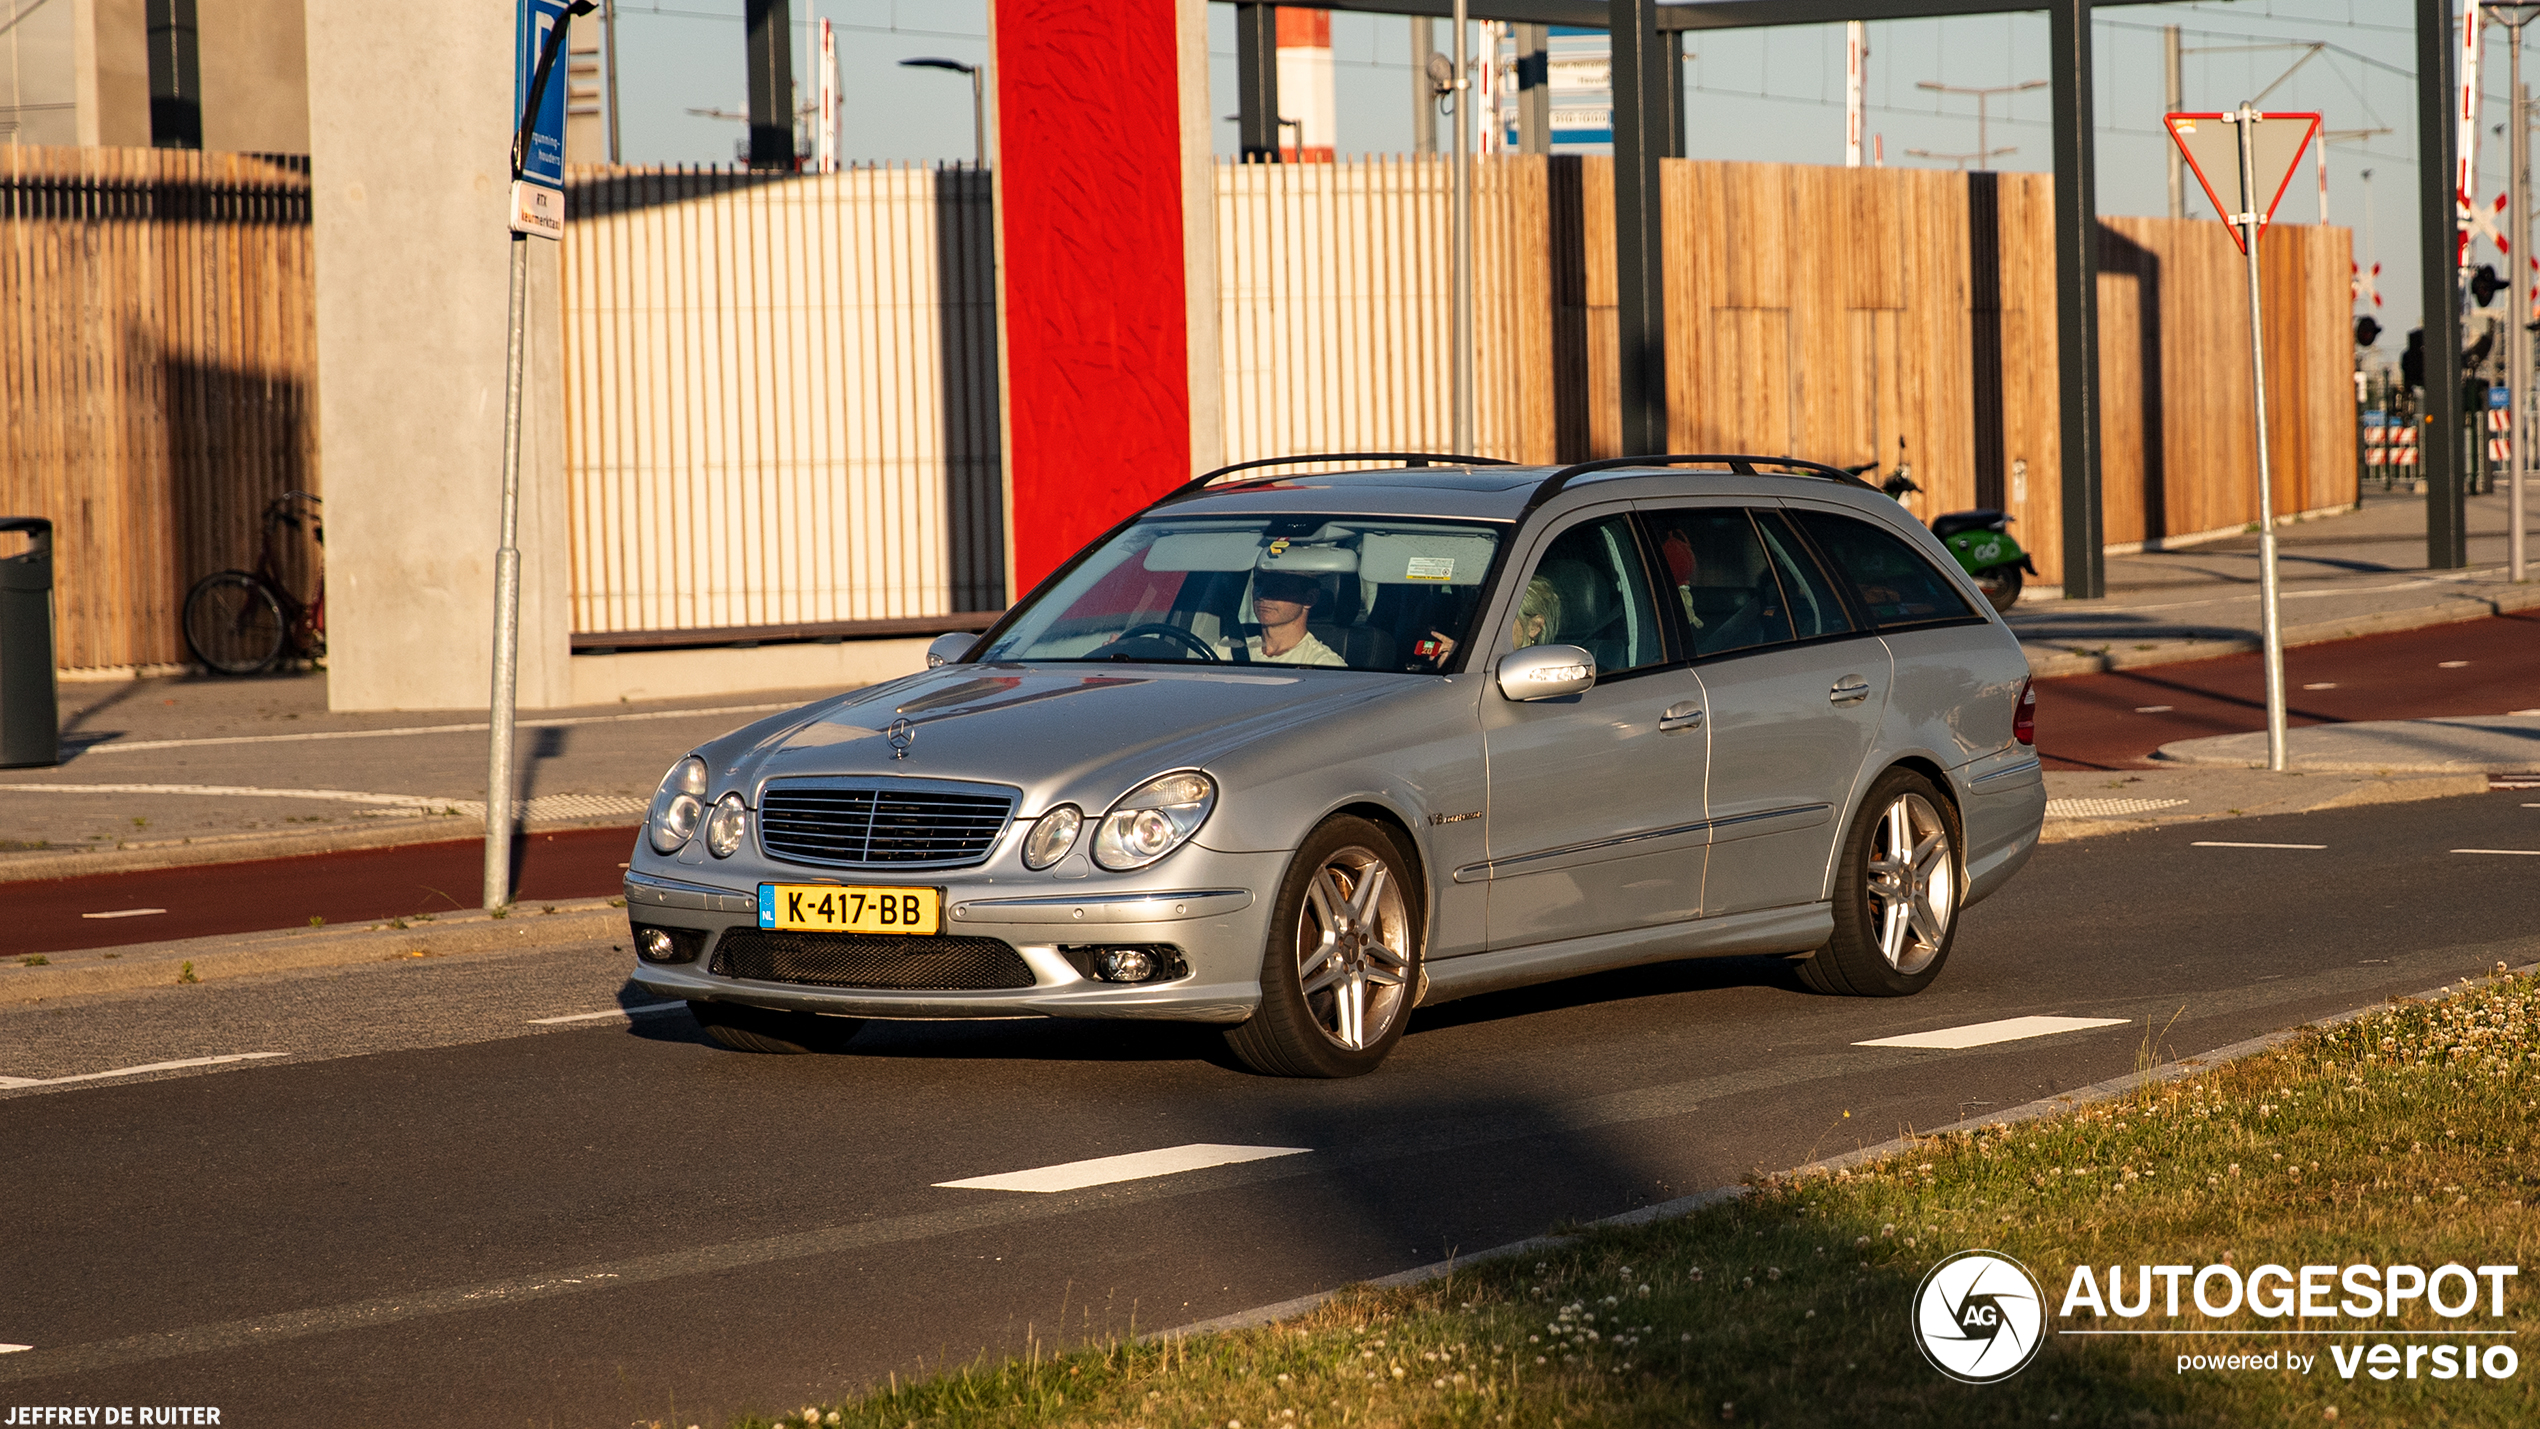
{"x":1154,"y":819}
{"x":724,"y":827}
{"x":1052,"y":836}
{"x":677,"y":805}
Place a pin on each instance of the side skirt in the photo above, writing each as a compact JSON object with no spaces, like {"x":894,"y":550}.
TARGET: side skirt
{"x":1769,"y":930}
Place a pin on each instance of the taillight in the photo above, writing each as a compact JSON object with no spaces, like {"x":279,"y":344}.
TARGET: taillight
{"x":2024,"y":722}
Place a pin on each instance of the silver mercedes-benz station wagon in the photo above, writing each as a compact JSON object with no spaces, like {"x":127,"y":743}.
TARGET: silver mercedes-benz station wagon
{"x":1295,"y":754}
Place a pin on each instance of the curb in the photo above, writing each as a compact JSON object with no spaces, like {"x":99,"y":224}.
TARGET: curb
{"x":222,"y":956}
{"x":2408,"y":789}
{"x":2047,"y":662}
{"x":1686,"y":1205}
{"x":249,"y":848}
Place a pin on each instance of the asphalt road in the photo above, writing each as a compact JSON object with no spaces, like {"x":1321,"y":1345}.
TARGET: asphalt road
{"x":433,"y":1211}
{"x":2116,"y":720}
{"x":361,"y":885}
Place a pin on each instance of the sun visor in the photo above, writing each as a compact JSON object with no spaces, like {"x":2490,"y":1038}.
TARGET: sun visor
{"x":1403,"y":558}
{"x":1204,"y":551}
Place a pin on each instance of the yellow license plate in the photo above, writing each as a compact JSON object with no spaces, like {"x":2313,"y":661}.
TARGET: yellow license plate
{"x":832,"y":908}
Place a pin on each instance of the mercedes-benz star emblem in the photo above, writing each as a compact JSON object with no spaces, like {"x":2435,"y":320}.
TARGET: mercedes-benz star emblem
{"x":902,"y":734}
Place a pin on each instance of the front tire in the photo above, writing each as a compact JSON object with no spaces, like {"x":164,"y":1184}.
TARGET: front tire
{"x":772,"y":1030}
{"x":233,"y":624}
{"x":1897,"y":892}
{"x":1342,"y":970}
{"x":2001,"y":587}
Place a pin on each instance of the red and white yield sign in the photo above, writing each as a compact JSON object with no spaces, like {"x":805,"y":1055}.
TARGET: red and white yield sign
{"x":2211,"y":143}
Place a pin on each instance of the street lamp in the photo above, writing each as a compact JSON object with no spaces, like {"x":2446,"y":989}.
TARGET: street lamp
{"x":1983,"y":155}
{"x":978,"y":104}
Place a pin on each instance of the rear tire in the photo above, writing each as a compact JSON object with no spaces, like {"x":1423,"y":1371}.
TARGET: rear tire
{"x":233,"y":624}
{"x":1342,"y":970}
{"x":1895,"y":917}
{"x":2001,"y":587}
{"x":772,"y":1030}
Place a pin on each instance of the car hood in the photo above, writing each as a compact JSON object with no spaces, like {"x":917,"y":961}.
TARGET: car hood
{"x":1057,"y":732}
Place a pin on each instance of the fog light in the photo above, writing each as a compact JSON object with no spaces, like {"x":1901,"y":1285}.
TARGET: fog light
{"x":1125,"y":964}
{"x":668,"y":945}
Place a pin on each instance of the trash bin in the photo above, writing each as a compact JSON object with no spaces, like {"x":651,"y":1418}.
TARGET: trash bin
{"x":30,"y":721}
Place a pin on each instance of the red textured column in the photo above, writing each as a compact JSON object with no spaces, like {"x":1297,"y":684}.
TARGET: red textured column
{"x":1090,"y":196}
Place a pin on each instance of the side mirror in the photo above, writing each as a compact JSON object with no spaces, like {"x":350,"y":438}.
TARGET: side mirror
{"x":1546,"y":672}
{"x":949,"y":647}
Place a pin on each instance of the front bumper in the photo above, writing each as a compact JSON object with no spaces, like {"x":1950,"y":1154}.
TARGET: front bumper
{"x":1212,"y":906}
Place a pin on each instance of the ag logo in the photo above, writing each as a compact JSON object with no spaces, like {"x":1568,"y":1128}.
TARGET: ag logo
{"x":1978,"y":1316}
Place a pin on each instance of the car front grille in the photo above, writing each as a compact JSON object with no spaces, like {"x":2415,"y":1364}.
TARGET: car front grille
{"x":904,"y":962}
{"x":841,"y":825}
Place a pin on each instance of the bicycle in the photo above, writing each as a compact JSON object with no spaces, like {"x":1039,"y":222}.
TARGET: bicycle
{"x":239,"y":622}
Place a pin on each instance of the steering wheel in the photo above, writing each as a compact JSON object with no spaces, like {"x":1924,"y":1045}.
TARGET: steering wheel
{"x":1173,"y":633}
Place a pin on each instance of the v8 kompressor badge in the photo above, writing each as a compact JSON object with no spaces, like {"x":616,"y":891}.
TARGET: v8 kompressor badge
{"x":1979,"y":1316}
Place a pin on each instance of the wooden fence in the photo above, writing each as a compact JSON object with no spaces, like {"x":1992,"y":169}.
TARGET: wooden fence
{"x":156,"y":343}
{"x":780,"y":399}
{"x":781,"y":393}
{"x":1334,"y":309}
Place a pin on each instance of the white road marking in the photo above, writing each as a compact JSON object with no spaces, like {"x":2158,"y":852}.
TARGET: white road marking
{"x":1985,"y":1034}
{"x":636,"y":1011}
{"x":2152,"y":709}
{"x":2223,"y":843}
{"x":2524,"y":852}
{"x":477,"y":728}
{"x":13,"y":1349}
{"x":2323,"y":685}
{"x":2520,"y":714}
{"x":11,"y":1084}
{"x":125,"y":913}
{"x":2449,"y":664}
{"x":1137,"y":1166}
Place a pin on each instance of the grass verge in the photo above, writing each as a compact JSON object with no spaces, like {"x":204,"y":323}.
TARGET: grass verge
{"x":2402,"y":1137}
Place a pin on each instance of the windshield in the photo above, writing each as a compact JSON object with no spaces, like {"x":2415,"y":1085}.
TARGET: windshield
{"x":1353,"y":592}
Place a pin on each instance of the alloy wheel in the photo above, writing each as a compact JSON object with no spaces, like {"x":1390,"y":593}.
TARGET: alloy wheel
{"x":1352,"y":948}
{"x":1912,"y":884}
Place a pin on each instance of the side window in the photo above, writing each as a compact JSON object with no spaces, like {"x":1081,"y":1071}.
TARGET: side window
{"x":1724,"y":582}
{"x":1895,"y":584}
{"x":1815,"y":609}
{"x":1589,"y":590}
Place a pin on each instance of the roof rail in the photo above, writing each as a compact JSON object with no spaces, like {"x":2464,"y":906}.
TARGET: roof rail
{"x":1201,"y":482}
{"x":1743,"y":463}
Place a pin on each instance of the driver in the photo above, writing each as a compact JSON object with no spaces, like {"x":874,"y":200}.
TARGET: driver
{"x":1280,"y":603}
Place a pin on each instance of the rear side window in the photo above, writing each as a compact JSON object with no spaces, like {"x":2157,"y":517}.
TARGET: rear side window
{"x":1892,"y":580}
{"x":1724,"y":582}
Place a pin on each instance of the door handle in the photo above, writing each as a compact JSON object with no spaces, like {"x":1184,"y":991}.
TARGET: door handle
{"x":1849,"y":689}
{"x":1684,"y":716}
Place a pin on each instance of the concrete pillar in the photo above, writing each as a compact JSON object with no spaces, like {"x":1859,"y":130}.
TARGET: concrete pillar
{"x":255,"y":76}
{"x":110,"y":69}
{"x":410,"y":168}
{"x":1106,"y":202}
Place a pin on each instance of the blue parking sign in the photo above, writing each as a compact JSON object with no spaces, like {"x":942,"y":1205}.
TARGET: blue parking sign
{"x":542,"y":161}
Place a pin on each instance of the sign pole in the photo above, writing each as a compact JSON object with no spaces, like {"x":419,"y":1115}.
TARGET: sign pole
{"x":537,"y":207}
{"x":2518,"y":308}
{"x":2249,"y":221}
{"x":1461,"y":203}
